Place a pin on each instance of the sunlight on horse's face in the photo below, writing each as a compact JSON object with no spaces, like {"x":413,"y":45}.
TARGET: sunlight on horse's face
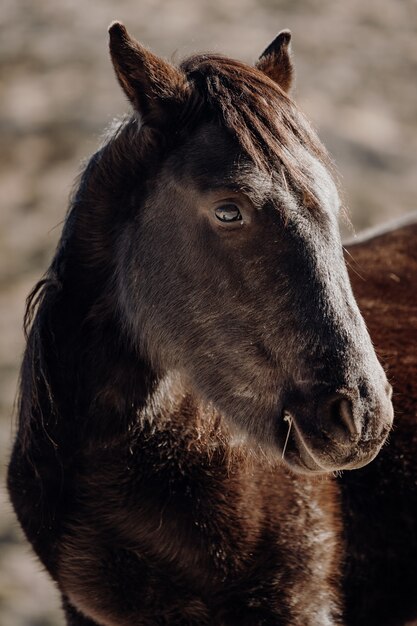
{"x":241,"y":286}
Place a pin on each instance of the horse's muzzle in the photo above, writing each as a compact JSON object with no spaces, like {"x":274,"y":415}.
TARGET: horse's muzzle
{"x":335,"y":431}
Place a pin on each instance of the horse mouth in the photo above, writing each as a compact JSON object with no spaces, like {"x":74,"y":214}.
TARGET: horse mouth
{"x":300,"y":456}
{"x":296,"y":453}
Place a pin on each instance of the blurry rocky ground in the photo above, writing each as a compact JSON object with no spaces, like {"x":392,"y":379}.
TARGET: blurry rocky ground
{"x":356,"y":80}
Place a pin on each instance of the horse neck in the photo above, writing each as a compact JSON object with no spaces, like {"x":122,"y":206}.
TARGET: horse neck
{"x":102,"y":386}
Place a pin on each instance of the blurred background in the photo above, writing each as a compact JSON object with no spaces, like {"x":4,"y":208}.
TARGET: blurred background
{"x":356,"y":80}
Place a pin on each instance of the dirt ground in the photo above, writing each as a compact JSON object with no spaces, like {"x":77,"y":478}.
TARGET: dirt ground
{"x":356,"y":80}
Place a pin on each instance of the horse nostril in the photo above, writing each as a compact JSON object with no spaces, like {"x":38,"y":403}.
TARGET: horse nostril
{"x":337,"y":419}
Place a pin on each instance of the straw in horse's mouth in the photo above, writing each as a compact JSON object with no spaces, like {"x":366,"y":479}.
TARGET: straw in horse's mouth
{"x":287,"y":418}
{"x":303,"y":450}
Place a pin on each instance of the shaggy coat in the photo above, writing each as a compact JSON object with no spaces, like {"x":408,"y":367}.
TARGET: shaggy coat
{"x":197,"y":369}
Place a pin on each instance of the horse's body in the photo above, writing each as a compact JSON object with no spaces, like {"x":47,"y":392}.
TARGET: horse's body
{"x":197,"y":369}
{"x":380,"y":500}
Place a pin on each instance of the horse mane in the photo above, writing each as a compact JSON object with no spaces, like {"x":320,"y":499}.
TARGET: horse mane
{"x":37,"y":400}
{"x":269,"y":129}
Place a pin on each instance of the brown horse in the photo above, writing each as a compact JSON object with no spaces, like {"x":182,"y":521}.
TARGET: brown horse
{"x":197,"y":369}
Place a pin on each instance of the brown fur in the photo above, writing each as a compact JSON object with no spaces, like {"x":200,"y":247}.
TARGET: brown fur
{"x":380,"y":501}
{"x":152,"y":471}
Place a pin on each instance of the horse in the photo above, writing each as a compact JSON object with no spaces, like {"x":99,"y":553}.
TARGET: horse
{"x":197,"y":371}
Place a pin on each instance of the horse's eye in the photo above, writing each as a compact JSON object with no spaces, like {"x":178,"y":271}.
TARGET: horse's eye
{"x":228,"y":213}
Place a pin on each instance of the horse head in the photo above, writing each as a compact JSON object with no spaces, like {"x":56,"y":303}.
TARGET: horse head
{"x":229,"y":263}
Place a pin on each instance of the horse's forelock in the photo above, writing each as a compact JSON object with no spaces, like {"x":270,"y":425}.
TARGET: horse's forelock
{"x":265,"y":121}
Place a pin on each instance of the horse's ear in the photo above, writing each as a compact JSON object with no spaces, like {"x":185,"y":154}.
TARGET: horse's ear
{"x":147,"y":80}
{"x":275,"y":61}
